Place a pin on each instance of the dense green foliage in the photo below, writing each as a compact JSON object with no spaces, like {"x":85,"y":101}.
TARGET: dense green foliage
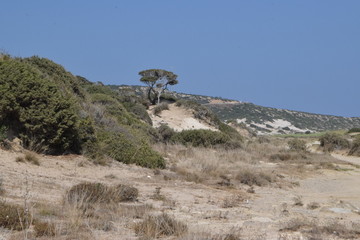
{"x":55,"y":112}
{"x":201,"y":138}
{"x":354,"y":130}
{"x":33,"y":108}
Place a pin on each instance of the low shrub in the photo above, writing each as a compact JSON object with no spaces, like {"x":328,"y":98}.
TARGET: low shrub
{"x":354,"y":130}
{"x":297,"y":145}
{"x":12,"y":216}
{"x":355,"y":147}
{"x":161,"y":225}
{"x":201,"y":138}
{"x":126,"y":148}
{"x":160,"y":107}
{"x":166,"y":132}
{"x":257,"y":178}
{"x":332,"y":141}
{"x":85,"y":194}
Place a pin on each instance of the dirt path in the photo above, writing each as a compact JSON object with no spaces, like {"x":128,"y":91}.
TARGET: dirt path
{"x":346,"y":158}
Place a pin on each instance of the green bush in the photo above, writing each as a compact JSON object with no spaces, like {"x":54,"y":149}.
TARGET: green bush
{"x":332,"y":141}
{"x":56,"y":74}
{"x":34,"y":109}
{"x":125,"y":147}
{"x":297,"y":145}
{"x":201,"y":138}
{"x":354,"y":130}
{"x":166,"y":132}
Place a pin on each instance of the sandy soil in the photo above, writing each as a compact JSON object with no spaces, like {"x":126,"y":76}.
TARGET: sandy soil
{"x":258,"y":215}
{"x":179,"y":119}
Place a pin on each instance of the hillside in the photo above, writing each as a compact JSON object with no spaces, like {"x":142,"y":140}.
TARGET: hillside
{"x":263,"y":120}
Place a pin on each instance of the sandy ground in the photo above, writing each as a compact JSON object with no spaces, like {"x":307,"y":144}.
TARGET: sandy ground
{"x":179,"y":119}
{"x":258,"y":215}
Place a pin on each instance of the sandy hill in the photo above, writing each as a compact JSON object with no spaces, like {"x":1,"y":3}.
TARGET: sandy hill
{"x":178,"y":118}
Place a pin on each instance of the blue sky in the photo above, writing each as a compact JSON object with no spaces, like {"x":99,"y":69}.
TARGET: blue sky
{"x":294,"y":54}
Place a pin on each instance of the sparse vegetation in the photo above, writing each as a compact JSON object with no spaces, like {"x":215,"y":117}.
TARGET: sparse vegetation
{"x":314,"y":230}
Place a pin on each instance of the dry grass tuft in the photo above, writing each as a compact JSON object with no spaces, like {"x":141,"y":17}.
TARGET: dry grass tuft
{"x":233,"y":201}
{"x":84,"y":195}
{"x":20,"y":159}
{"x":32,"y":158}
{"x":11,"y":216}
{"x":298,"y":201}
{"x":43,"y":228}
{"x":29,"y":157}
{"x":313,"y":205}
{"x":160,"y":225}
{"x":124,"y":193}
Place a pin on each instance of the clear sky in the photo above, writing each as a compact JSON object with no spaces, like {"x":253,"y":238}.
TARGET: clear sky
{"x":294,"y":54}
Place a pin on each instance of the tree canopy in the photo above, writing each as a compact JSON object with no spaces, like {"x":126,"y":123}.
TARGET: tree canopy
{"x":158,"y":81}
